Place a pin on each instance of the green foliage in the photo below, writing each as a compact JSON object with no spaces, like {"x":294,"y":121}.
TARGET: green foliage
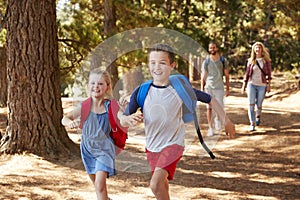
{"x":236,"y":25}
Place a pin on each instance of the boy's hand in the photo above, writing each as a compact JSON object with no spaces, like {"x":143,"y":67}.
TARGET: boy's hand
{"x":229,"y":129}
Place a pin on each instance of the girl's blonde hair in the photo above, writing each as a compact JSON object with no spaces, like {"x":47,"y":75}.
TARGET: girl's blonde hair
{"x":106,"y":75}
{"x":265,"y":53}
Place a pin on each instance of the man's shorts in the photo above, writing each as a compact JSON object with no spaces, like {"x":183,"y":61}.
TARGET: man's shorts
{"x":167,"y":159}
{"x":217,"y":94}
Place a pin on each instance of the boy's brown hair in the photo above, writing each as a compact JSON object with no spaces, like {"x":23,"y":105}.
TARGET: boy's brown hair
{"x":165,"y":48}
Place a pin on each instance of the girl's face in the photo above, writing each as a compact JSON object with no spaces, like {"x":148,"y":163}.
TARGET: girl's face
{"x":160,"y":67}
{"x":97,"y":86}
{"x":258,"y":50}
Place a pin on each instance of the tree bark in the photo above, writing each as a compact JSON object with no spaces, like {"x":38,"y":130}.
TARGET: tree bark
{"x":34,"y":101}
{"x":109,"y":30}
{"x":3,"y":78}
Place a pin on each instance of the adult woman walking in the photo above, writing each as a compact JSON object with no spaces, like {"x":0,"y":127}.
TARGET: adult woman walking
{"x":258,"y":81}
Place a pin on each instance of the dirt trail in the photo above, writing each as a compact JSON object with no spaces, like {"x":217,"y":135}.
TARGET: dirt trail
{"x":263,"y":164}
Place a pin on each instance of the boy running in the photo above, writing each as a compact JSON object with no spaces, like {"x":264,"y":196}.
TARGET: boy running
{"x":162,"y":116}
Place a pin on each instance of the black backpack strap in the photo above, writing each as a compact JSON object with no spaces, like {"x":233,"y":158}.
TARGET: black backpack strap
{"x":260,"y":68}
{"x":192,"y":95}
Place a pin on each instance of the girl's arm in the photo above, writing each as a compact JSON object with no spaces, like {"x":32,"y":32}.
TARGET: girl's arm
{"x":70,"y":119}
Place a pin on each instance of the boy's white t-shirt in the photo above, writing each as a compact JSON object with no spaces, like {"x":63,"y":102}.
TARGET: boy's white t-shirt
{"x":163,"y":118}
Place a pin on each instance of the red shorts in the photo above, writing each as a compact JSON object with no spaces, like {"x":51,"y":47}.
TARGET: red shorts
{"x":167,"y":159}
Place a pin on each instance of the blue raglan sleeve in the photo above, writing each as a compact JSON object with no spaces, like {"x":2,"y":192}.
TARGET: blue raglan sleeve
{"x":133,"y":106}
{"x":202,"y":96}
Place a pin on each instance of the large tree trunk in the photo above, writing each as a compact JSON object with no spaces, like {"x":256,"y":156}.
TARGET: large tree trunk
{"x":3,"y":78}
{"x":34,"y":101}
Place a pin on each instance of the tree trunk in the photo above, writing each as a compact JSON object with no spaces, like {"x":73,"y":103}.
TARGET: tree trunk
{"x":34,"y":101}
{"x":109,"y":30}
{"x":3,"y":78}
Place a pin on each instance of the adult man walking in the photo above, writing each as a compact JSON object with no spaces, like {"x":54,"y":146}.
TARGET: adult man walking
{"x":213,"y":69}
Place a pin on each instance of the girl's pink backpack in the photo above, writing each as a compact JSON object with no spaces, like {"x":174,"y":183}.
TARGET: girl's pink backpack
{"x":118,"y":133}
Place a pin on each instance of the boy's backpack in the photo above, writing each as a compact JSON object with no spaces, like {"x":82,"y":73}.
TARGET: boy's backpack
{"x":222,"y":59}
{"x":185,"y":91}
{"x":118,"y":133}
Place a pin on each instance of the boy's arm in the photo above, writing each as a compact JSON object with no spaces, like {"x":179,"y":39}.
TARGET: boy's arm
{"x":229,"y":126}
{"x":202,"y":96}
{"x":130,"y":116}
{"x":206,"y":98}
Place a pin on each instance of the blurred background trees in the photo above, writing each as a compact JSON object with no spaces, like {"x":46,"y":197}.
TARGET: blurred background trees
{"x":235,"y":24}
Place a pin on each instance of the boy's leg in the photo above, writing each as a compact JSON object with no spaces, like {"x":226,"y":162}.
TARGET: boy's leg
{"x":159,"y":184}
{"x":163,"y":167}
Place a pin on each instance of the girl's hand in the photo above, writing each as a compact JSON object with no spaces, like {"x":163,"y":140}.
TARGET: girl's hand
{"x":243,"y":90}
{"x":268,"y":88}
{"x":73,"y":124}
{"x":131,"y":120}
{"x":123,"y":102}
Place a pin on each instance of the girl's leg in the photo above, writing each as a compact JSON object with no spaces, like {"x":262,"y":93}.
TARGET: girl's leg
{"x":159,"y":184}
{"x":100,"y":185}
{"x":261,"y":92}
{"x":251,"y":92}
{"x":92,"y":177}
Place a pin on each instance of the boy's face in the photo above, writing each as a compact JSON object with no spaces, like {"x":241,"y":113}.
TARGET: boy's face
{"x":160,"y":67}
{"x":97,"y":86}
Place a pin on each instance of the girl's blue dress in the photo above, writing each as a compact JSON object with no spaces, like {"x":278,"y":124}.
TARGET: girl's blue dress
{"x":97,"y":147}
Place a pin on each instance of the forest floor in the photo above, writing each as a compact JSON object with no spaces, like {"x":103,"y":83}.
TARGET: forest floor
{"x":264,"y":164}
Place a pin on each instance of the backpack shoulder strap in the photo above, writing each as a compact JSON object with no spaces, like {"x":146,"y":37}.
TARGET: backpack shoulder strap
{"x":222,"y":59}
{"x":85,"y":111}
{"x":118,"y":133}
{"x":112,"y":113}
{"x":207,"y":60}
{"x":185,"y":91}
{"x":142,"y":93}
